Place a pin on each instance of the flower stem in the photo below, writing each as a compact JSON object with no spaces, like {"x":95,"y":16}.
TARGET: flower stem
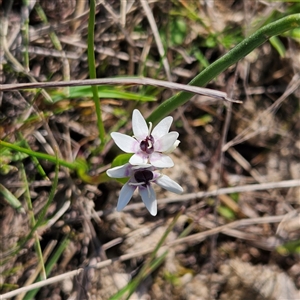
{"x":224,"y":62}
{"x":92,"y":71}
{"x":70,"y":165}
{"x":78,"y":165}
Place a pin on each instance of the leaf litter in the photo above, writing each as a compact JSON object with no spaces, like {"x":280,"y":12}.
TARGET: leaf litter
{"x":255,"y":254}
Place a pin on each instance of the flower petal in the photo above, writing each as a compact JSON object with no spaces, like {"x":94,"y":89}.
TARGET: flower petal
{"x":166,"y":142}
{"x":138,"y":159}
{"x":139,"y":126}
{"x":170,"y":150}
{"x":169,"y":184}
{"x":160,"y":160}
{"x":125,"y":195}
{"x":142,"y":166}
{"x":125,"y":142}
{"x":119,"y":172}
{"x":149,"y":199}
{"x":162,"y":128}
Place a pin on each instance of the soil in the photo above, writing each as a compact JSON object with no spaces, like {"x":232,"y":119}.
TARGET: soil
{"x":234,"y":245}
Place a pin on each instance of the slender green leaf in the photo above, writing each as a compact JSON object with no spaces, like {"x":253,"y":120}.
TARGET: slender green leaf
{"x":34,"y":159}
{"x":92,"y":71}
{"x":11,"y":199}
{"x":149,"y":266}
{"x":49,"y":266}
{"x":103,"y":92}
{"x":278,"y":45}
{"x":292,"y":247}
{"x":233,"y":56}
{"x":226,"y":212}
{"x":37,"y":244}
{"x":52,"y":158}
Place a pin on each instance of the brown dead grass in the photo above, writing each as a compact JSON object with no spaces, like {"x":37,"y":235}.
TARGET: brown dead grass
{"x":261,"y":143}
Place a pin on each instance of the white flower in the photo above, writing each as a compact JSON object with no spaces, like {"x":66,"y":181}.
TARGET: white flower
{"x":141,"y":177}
{"x":146,"y":145}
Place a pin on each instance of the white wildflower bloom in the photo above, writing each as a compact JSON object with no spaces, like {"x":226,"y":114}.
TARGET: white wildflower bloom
{"x":141,"y":177}
{"x":148,"y":146}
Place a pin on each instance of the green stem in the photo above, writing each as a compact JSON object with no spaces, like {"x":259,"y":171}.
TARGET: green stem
{"x":150,"y":265}
{"x":50,"y":265}
{"x":78,"y":165}
{"x":224,"y":62}
{"x":25,"y":32}
{"x":40,"y":221}
{"x":34,"y":159}
{"x":92,"y":71}
{"x":32,"y":220}
{"x":70,"y":165}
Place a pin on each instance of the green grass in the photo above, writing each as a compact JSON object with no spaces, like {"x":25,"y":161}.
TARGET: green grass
{"x":14,"y":153}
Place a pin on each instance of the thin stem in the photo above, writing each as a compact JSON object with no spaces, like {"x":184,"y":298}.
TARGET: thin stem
{"x":57,"y":45}
{"x":25,"y":31}
{"x":34,"y":159}
{"x":70,"y":165}
{"x":78,"y":165}
{"x":224,"y":62}
{"x":32,"y":220}
{"x":92,"y":71}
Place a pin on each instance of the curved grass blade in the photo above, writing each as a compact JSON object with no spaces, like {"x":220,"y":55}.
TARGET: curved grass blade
{"x":152,"y":264}
{"x":40,"y":218}
{"x":103,"y":92}
{"x":50,"y":264}
{"x":11,"y":199}
{"x":92,"y":71}
{"x":233,"y":56}
{"x":32,"y":221}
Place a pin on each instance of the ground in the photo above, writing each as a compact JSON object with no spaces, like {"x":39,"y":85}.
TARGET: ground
{"x":234,"y":233}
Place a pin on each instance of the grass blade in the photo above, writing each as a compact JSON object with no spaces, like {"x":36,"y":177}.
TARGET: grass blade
{"x":152,"y":264}
{"x":11,"y":199}
{"x":92,"y":71}
{"x":37,"y":244}
{"x":51,"y":263}
{"x":224,"y":62}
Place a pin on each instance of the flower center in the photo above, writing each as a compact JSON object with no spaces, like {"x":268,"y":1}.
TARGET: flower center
{"x":147,"y":145}
{"x":144,"y":176}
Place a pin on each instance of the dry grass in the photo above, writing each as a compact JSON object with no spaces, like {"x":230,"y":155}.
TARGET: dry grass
{"x":237,"y":236}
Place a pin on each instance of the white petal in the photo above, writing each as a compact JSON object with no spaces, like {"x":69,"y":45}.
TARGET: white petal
{"x":139,"y":126}
{"x":138,"y":159}
{"x":170,"y":150}
{"x":141,"y":166}
{"x":166,"y":142}
{"x":125,"y":142}
{"x":149,"y":199}
{"x":119,"y":172}
{"x":160,"y":160}
{"x":169,"y":184}
{"x":125,"y":195}
{"x":162,"y":128}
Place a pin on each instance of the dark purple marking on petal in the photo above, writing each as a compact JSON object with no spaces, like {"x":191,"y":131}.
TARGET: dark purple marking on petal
{"x":143,"y":176}
{"x":147,"y":145}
